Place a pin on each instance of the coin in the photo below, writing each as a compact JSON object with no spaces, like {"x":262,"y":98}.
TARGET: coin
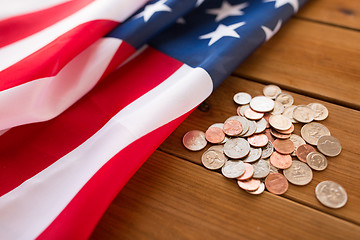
{"x":276,"y":183}
{"x":311,"y":132}
{"x":284,"y":146}
{"x":251,"y":130}
{"x":194,"y":140}
{"x":278,"y":108}
{"x":280,"y":122}
{"x":259,"y":190}
{"x":279,"y":135}
{"x":289,"y":131}
{"x":269,"y":135}
{"x":298,"y":173}
{"x":297,"y":140}
{"x":213,"y":159}
{"x":249,"y":172}
{"x":267,"y":150}
{"x":233,"y":169}
{"x":243,"y":121}
{"x":266,"y":117}
{"x":261,"y":169}
{"x":249,"y":185}
{"x":285,"y":99}
{"x":214,"y":135}
{"x":260,"y":125}
{"x":252,"y":115}
{"x":303,"y":114}
{"x":232,"y":127}
{"x":331,"y":194}
{"x":254,"y":155}
{"x":236,"y":148}
{"x":316,"y":161}
{"x":288,"y":112}
{"x":258,"y":140}
{"x":271,"y":91}
{"x":262,"y":104}
{"x":242,"y":98}
{"x":217,"y":148}
{"x":281,"y":161}
{"x":329,"y":146}
{"x":241,"y":109}
{"x":303,"y":150}
{"x":321,"y":112}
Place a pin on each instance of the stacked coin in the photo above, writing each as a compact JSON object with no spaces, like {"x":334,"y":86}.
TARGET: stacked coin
{"x":256,"y":147}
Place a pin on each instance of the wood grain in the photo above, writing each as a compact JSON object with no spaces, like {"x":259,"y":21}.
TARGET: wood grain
{"x":342,"y":122}
{"x":310,"y":58}
{"x":169,"y":198}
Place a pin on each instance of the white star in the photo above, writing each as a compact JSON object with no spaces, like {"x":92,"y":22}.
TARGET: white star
{"x":153,"y":8}
{"x":227,"y":10}
{"x":222,"y":31}
{"x":269,"y":33}
{"x":280,"y":3}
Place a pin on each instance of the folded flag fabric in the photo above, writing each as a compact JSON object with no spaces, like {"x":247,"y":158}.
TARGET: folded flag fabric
{"x":99,"y":105}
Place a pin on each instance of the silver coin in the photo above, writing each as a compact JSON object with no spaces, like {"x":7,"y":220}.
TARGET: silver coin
{"x":242,"y":98}
{"x":331,"y":194}
{"x":297,"y":140}
{"x":329,"y":146}
{"x":280,"y":122}
{"x":271,"y":91}
{"x":272,"y":168}
{"x":233,"y":169}
{"x":236,"y":148}
{"x":285,"y":99}
{"x":278,"y":108}
{"x":261,"y":169}
{"x":252,"y":129}
{"x":194,"y":140}
{"x":213,"y":159}
{"x":311,"y":132}
{"x":267,"y":150}
{"x":243,"y":121}
{"x":260,"y":190}
{"x":288,"y":112}
{"x":254,"y":155}
{"x":243,"y":109}
{"x":316,"y":161}
{"x":303,"y":114}
{"x":262,"y":104}
{"x":260,"y":125}
{"x":219,"y":125}
{"x":321,"y":112}
{"x":217,"y":148}
{"x":298,"y":173}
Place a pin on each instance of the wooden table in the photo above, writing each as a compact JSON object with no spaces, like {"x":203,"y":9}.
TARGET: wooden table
{"x":316,"y":58}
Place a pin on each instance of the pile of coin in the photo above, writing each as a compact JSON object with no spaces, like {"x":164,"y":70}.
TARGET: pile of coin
{"x":257,"y":146}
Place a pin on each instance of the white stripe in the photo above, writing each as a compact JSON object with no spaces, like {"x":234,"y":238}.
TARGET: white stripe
{"x":45,"y":98}
{"x":30,"y":208}
{"x":114,"y":10}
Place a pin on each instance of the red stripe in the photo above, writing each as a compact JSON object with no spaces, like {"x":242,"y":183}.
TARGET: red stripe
{"x":28,"y":149}
{"x":87,"y":207}
{"x":15,"y":28}
{"x":50,"y":59}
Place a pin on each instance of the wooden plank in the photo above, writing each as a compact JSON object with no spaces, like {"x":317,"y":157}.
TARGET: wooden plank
{"x":342,"y":122}
{"x":169,"y":198}
{"x":338,"y":12}
{"x":311,"y":58}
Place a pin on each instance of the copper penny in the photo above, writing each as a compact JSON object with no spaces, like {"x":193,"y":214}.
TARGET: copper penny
{"x":289,"y":131}
{"x":284,"y":146}
{"x":266,"y":117}
{"x":279,"y":135}
{"x":252,"y":115}
{"x":258,"y":140}
{"x":303,"y":150}
{"x":276,"y":183}
{"x":249,"y":185}
{"x":249,"y":172}
{"x":281,"y":161}
{"x":214,"y":135}
{"x":232,"y":127}
{"x":269,"y":136}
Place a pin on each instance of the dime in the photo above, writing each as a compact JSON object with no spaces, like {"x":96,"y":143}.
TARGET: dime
{"x":214,"y":135}
{"x":276,"y":183}
{"x":297,"y":140}
{"x":254,"y":155}
{"x":278,"y":108}
{"x":242,"y":98}
{"x":262,"y":104}
{"x":316,"y":161}
{"x":267,"y":150}
{"x":241,"y":109}
{"x":331,"y":194}
{"x":271,"y":91}
{"x":249,"y":185}
{"x":249,"y":172}
{"x":243,"y":121}
{"x":289,"y":131}
{"x":218,"y":125}
{"x":194,"y":140}
{"x":260,"y":125}
{"x":329,"y":146}
{"x":232,"y":127}
{"x":259,"y":190}
{"x":233,"y":169}
{"x":280,"y":161}
{"x":252,"y":115}
{"x":252,"y":129}
{"x":285,"y":99}
{"x":269,"y":135}
{"x":280,"y":122}
{"x":236,"y":148}
{"x":284,"y":146}
{"x":321,"y":112}
{"x":279,"y":135}
{"x":303,"y":114}
{"x":311,"y":132}
{"x":288,"y":112}
{"x":261,"y":169}
{"x":298,"y":173}
{"x":303,"y":150}
{"x":213,"y":159}
{"x":258,"y":140}
{"x":217,"y":148}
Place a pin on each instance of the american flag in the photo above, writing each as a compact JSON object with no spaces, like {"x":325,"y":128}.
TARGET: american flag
{"x":90,"y":88}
